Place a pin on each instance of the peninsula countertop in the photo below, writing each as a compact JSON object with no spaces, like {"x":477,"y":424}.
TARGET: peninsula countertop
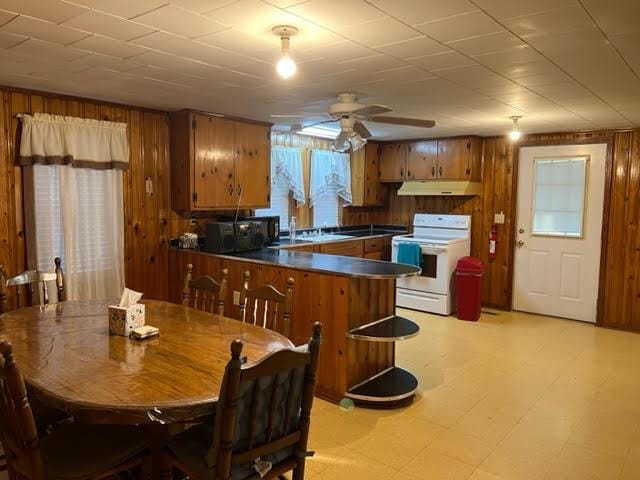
{"x":279,"y":255}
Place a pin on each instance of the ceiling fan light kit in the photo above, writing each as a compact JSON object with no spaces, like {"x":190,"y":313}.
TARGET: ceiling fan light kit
{"x":351,"y":115}
{"x":286,"y":66}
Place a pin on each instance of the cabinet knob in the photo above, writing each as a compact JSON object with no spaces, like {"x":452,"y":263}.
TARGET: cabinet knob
{"x":402,"y":172}
{"x":238,"y":189}
{"x":440,"y":171}
{"x":230,"y":189}
{"x":433,"y":171}
{"x":408,"y":173}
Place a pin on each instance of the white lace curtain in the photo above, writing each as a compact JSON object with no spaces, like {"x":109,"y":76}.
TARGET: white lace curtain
{"x":330,"y":174}
{"x":74,"y":202}
{"x":286,"y":163}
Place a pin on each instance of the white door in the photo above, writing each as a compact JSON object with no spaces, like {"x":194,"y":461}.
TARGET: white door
{"x":559,"y":222}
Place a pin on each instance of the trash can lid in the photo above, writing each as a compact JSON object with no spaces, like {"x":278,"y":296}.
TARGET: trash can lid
{"x":470,"y":265}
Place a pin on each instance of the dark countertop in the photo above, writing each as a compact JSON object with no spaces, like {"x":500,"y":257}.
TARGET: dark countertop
{"x":323,"y":263}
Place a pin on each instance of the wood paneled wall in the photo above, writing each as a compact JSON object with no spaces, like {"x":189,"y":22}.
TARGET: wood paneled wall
{"x":147,"y":218}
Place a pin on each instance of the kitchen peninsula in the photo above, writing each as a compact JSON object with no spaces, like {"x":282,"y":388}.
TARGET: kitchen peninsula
{"x":343,"y":292}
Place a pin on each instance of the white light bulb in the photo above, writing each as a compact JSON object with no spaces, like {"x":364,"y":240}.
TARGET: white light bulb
{"x":286,"y":67}
{"x":515,"y":135}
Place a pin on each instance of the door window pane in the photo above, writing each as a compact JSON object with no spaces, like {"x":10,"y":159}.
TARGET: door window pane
{"x":559,"y":196}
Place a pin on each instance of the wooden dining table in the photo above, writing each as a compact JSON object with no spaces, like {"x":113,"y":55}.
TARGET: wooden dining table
{"x":71,"y":362}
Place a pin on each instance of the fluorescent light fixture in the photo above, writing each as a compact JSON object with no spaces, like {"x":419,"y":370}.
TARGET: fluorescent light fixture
{"x":319,"y":132}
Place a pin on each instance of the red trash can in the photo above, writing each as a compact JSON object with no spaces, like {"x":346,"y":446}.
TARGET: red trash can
{"x":469,"y":271}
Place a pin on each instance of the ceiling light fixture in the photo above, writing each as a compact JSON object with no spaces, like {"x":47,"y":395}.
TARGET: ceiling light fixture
{"x":285,"y":67}
{"x":515,"y":133}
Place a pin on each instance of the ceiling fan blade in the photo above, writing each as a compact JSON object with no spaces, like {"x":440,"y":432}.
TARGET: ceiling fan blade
{"x":361,"y":130}
{"x":371,"y":110}
{"x":320,"y":123}
{"x":410,"y":122}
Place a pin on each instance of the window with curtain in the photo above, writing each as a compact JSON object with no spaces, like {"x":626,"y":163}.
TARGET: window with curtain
{"x":74,"y":203}
{"x":330,"y":184}
{"x":286,"y":182}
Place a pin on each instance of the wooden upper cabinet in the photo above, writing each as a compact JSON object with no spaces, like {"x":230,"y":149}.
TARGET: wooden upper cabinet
{"x":214,"y":162}
{"x":422,"y":160}
{"x":218,"y":163}
{"x":366,"y":190}
{"x":253,"y":172}
{"x":459,"y":159}
{"x":393,"y":162}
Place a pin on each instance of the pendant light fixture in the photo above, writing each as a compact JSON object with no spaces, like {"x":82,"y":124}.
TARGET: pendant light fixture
{"x":285,"y":67}
{"x":515,"y":134}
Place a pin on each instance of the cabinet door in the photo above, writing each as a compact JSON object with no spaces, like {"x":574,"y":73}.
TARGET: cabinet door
{"x":349,"y":248}
{"x":214,"y":158}
{"x":372,"y":186}
{"x":393,"y":162}
{"x":253,"y":165}
{"x":422,"y":161}
{"x":454,"y":159}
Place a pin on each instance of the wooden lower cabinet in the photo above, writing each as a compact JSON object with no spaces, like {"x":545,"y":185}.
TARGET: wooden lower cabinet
{"x":304,"y":248}
{"x":341,"y":303}
{"x":378,"y":255}
{"x":350,"y":248}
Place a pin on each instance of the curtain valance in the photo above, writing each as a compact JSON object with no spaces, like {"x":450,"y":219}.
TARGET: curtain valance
{"x":286,"y":162}
{"x":330,"y":173}
{"x":82,"y":143}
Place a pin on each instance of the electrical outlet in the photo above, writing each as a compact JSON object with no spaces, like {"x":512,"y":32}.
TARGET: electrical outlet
{"x":499,"y":218}
{"x":192,"y":222}
{"x":236,"y":297}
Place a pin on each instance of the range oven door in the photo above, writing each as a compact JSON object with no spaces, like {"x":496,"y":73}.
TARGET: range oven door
{"x":434,"y":277}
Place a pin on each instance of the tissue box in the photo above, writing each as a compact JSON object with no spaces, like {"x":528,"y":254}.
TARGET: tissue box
{"x":124,"y":319}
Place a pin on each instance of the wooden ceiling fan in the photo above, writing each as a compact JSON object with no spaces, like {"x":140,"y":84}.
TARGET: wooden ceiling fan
{"x":351,"y":115}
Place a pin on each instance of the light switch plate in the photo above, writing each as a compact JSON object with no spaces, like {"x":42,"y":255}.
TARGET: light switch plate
{"x":499,"y":218}
{"x":236,"y":297}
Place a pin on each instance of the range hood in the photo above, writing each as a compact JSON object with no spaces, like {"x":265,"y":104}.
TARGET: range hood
{"x":451,"y":188}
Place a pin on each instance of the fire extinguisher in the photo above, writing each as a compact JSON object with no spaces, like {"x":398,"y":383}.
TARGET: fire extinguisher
{"x":493,"y":240}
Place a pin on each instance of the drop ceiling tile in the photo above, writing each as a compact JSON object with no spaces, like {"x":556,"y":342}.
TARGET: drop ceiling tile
{"x":416,"y":47}
{"x":380,"y":31}
{"x":242,"y":43}
{"x":475,"y":76}
{"x":106,"y":61}
{"x":492,"y":43}
{"x":55,"y":11}
{"x":47,"y":50}
{"x":173,"y":19}
{"x":628,"y":44}
{"x":507,"y":58}
{"x":109,"y":46}
{"x":551,"y":22}
{"x":186,"y":48}
{"x":441,"y":61}
{"x":108,"y":25}
{"x":420,"y":11}
{"x":340,"y":51}
{"x":284,"y":3}
{"x":459,"y":27}
{"x":176,"y":63}
{"x":8,"y":40}
{"x":404,"y":74}
{"x":43,"y":30}
{"x":6,"y":16}
{"x":529,"y":69}
{"x":122,"y":8}
{"x":336,"y":14}
{"x":552,"y":77}
{"x":620,"y":16}
{"x":264,"y":17}
{"x":202,"y":6}
{"x":502,"y":9}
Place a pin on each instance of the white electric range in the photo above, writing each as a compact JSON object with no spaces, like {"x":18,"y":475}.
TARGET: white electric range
{"x":443,"y":240}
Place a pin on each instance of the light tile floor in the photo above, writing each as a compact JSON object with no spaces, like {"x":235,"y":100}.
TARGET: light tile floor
{"x":511,"y":397}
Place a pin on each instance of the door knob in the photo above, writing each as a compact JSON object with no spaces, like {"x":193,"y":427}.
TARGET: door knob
{"x":519,"y":243}
{"x":521,"y":230}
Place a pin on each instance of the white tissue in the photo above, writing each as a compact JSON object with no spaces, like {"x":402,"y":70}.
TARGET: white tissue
{"x":129,"y":297}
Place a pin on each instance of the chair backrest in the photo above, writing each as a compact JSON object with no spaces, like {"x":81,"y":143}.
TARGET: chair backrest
{"x":264,"y":409}
{"x":31,"y":280}
{"x":18,"y":430}
{"x":266,"y":307}
{"x":204,"y":293}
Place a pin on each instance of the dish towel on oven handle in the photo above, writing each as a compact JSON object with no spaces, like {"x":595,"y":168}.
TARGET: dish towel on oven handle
{"x":410,"y":253}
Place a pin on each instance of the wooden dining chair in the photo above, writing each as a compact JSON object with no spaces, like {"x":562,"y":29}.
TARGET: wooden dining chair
{"x":266,"y":307}
{"x":263,"y":413}
{"x":27,"y":282}
{"x":205,"y":293}
{"x":70,"y":452}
